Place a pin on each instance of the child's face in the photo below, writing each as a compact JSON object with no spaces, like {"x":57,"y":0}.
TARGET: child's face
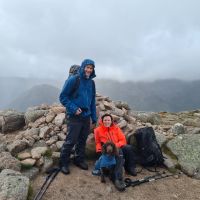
{"x":107,"y":121}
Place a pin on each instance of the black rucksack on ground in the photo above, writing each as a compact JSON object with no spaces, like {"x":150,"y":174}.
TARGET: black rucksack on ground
{"x":150,"y":154}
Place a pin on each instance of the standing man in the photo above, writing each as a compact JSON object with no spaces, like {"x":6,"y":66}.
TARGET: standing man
{"x":78,"y":97}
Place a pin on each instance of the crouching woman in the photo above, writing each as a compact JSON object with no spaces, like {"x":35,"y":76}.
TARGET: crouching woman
{"x":107,"y":131}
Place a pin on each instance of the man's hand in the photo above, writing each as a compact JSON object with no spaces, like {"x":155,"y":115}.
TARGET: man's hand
{"x":93,"y":126}
{"x":78,"y":112}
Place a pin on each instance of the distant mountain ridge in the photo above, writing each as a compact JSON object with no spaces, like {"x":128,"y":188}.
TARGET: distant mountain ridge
{"x":11,"y":88}
{"x":160,"y":95}
{"x":37,"y":95}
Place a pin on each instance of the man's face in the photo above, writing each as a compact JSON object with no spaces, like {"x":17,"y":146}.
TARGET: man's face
{"x":88,"y":70}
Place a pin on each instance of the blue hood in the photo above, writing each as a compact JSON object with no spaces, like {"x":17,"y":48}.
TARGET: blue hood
{"x":83,"y":65}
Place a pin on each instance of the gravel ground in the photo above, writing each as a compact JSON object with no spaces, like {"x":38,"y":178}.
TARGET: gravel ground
{"x":82,"y":185}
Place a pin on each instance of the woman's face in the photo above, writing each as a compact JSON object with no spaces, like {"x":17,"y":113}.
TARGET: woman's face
{"x":107,"y":121}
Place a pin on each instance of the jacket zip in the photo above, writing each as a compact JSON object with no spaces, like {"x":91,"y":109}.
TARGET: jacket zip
{"x":109,"y":135}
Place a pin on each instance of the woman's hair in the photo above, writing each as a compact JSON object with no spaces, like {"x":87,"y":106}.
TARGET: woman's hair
{"x":107,"y":115}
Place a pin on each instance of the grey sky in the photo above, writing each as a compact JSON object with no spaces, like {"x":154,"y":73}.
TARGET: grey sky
{"x":129,"y":40}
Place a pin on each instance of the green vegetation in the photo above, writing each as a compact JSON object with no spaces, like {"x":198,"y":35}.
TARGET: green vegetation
{"x":30,"y":193}
{"x":48,"y":153}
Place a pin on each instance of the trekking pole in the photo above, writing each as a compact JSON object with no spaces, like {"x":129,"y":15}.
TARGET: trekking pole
{"x":134,"y":183}
{"x":130,"y":182}
{"x":46,"y":184}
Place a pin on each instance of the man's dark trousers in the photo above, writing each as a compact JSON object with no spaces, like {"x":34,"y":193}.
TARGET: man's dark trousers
{"x":78,"y":129}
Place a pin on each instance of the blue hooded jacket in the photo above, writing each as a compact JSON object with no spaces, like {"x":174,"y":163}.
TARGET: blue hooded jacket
{"x":85,"y":98}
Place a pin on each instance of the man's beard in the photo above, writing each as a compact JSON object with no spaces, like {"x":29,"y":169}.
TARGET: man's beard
{"x":87,"y":76}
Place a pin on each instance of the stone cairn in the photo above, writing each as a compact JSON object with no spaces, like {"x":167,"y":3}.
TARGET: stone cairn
{"x":31,"y":141}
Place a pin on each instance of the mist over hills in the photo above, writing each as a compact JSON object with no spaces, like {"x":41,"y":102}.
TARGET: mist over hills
{"x":161,"y":95}
{"x":35,"y":96}
{"x":12,"y":88}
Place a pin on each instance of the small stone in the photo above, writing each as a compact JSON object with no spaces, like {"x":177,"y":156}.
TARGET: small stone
{"x":58,"y":109}
{"x":19,"y":136}
{"x":53,"y":147}
{"x":102,"y":107}
{"x":176,"y":176}
{"x":122,"y":124}
{"x":17,"y":146}
{"x":129,"y":119}
{"x":36,"y":137}
{"x":108,"y":105}
{"x":33,"y":115}
{"x":148,"y":124}
{"x":116,"y":118}
{"x":44,"y":131}
{"x":31,"y":173}
{"x":65,"y":130}
{"x":23,"y":156}
{"x":197,"y":114}
{"x":52,"y":140}
{"x":178,"y":128}
{"x":50,"y":117}
{"x":52,"y":133}
{"x":61,"y":136}
{"x":56,"y":157}
{"x":40,"y":162}
{"x":31,"y":132}
{"x":59,"y":144}
{"x":118,"y":112}
{"x":59,"y":119}
{"x":125,"y":111}
{"x":130,"y":127}
{"x":48,"y":163}
{"x":39,"y":121}
{"x":40,"y":143}
{"x":166,"y":127}
{"x":7,"y":161}
{"x":29,"y":162}
{"x":56,"y":129}
{"x":3,"y":147}
{"x":37,"y":152}
{"x":30,"y":141}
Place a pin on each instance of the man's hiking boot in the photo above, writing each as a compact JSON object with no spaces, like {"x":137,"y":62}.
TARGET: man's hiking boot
{"x":65,"y":170}
{"x":120,"y":185}
{"x":81,"y":165}
{"x":132,"y":171}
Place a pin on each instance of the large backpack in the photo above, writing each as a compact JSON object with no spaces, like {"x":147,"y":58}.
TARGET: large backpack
{"x":73,"y":71}
{"x":149,"y":150}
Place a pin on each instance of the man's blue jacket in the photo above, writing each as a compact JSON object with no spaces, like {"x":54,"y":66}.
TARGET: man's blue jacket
{"x":85,"y":98}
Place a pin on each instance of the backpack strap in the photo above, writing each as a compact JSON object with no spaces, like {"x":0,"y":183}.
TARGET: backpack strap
{"x":75,"y":87}
{"x":94,"y":87}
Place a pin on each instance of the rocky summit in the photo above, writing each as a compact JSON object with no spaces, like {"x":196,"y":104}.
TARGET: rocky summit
{"x":30,"y":142}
